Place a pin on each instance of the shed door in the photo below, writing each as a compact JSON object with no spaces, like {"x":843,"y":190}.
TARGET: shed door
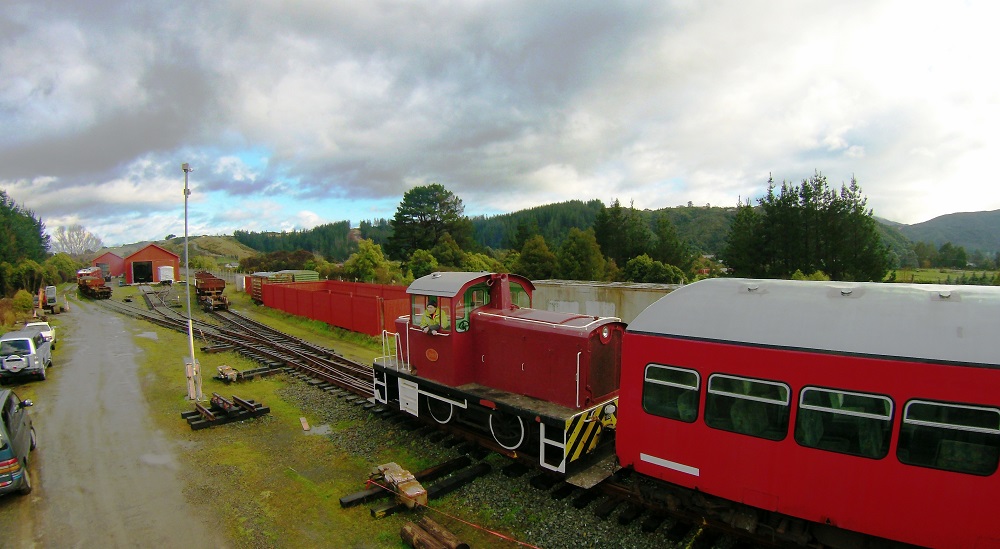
{"x":142,"y":271}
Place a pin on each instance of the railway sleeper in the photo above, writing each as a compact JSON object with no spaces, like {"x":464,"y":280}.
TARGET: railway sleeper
{"x":439,"y":489}
{"x":586,"y":498}
{"x":563,"y":491}
{"x":630,"y":513}
{"x":606,"y":507}
{"x":652,"y":521}
{"x":544,"y":481}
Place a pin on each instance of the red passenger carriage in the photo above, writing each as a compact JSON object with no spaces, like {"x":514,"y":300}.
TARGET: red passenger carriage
{"x":870,"y":408}
{"x":541,"y":383}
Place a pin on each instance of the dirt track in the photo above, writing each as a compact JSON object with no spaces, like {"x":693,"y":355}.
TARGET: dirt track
{"x":103,"y":475}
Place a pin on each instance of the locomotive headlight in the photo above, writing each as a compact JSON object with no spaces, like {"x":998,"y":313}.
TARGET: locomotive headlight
{"x":605,"y":334}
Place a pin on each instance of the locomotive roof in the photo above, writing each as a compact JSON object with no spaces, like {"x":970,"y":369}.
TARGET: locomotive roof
{"x":449,"y":284}
{"x":925,"y":322}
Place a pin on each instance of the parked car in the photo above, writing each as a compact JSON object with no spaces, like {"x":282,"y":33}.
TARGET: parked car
{"x":24,"y":353}
{"x":47,"y":330}
{"x":17,"y":440}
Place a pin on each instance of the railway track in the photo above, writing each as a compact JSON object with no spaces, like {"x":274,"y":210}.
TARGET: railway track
{"x":255,"y":340}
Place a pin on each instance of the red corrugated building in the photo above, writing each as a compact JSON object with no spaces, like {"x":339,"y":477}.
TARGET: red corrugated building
{"x":110,"y":263}
{"x":144,"y":266}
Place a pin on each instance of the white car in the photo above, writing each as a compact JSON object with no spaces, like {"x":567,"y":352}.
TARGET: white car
{"x":44,"y":328}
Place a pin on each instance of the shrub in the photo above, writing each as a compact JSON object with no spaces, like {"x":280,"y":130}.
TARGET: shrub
{"x":23,"y":301}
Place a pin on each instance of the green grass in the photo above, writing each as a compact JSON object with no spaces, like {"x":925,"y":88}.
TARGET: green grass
{"x":270,"y":483}
{"x":937,"y":276}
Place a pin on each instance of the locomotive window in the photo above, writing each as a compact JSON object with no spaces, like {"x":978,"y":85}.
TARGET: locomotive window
{"x":474,"y":298}
{"x":519,"y":296}
{"x":440,"y":320}
{"x":841,"y":421}
{"x":752,"y":407}
{"x":671,"y":392}
{"x":953,"y":437}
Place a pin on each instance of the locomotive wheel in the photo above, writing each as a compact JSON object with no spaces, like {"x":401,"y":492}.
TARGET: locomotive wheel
{"x":440,"y":410}
{"x":507,"y":430}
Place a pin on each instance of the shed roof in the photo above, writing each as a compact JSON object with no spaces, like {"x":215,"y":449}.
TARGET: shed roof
{"x":161,"y":248}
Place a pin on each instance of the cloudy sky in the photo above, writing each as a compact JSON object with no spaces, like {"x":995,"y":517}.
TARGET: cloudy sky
{"x":294,"y":114}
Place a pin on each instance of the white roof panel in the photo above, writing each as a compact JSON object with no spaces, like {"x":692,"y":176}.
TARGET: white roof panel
{"x":930,"y":322}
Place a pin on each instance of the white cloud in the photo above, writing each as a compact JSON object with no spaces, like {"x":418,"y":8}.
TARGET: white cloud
{"x":295,"y":113}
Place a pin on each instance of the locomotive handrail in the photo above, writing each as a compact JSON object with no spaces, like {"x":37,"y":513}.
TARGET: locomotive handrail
{"x":578,"y":354}
{"x":584,"y":328}
{"x":386,"y":353}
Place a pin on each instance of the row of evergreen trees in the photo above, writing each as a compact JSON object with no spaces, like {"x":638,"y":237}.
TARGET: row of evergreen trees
{"x":25,"y":263}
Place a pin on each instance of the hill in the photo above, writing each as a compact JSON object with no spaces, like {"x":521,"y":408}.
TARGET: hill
{"x":218,"y":247}
{"x":971,"y":230}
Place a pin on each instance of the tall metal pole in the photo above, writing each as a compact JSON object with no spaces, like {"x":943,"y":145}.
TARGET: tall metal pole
{"x":193,"y":372}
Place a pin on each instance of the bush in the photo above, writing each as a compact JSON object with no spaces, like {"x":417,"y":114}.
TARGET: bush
{"x":23,"y":301}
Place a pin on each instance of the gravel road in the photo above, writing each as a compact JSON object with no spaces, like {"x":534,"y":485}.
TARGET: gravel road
{"x":104,"y":476}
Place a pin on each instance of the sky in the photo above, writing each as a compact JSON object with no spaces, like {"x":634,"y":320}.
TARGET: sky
{"x":295,"y":114}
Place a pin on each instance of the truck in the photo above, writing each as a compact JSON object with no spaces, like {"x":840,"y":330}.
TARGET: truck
{"x":48,"y":300}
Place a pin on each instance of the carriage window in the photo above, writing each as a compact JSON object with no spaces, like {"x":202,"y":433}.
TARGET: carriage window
{"x":752,"y":407}
{"x":841,"y":421}
{"x":671,"y":392}
{"x":953,"y":437}
{"x":474,"y":298}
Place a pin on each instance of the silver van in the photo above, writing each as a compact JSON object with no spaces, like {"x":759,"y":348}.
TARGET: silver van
{"x":24,"y":353}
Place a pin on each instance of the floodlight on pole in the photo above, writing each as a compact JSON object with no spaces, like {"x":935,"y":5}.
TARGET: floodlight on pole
{"x":192,"y":370}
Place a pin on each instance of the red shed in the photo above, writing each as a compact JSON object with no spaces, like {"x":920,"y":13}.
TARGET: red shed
{"x":144,"y":266}
{"x":110,"y":263}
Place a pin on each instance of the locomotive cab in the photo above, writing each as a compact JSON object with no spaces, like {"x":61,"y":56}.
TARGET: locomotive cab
{"x":436,"y":337}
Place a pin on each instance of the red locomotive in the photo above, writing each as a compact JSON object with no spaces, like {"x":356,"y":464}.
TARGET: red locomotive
{"x":90,"y":281}
{"x":543,"y":383}
{"x":858,"y":407}
{"x":807,"y":412}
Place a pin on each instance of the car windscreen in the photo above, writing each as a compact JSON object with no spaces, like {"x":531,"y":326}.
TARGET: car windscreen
{"x":14,"y":347}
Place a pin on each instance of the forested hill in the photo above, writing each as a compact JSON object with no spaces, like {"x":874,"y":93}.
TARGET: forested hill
{"x":970,"y":230}
{"x":703,"y":227}
{"x":552,"y":221}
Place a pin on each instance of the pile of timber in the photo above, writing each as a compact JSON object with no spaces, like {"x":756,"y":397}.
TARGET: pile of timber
{"x":427,"y":534}
{"x":222,"y":410}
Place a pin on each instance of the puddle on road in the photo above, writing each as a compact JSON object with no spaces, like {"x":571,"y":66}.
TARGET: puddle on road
{"x":160,"y":460}
{"x":324,"y":429}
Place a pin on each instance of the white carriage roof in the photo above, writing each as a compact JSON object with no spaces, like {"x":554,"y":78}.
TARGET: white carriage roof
{"x":925,"y":322}
{"x":442,"y":284}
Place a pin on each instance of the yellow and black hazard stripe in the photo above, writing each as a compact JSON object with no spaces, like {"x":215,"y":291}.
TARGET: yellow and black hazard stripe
{"x":583,"y":431}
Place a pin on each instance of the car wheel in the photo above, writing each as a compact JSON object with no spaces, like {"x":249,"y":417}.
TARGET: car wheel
{"x":42,"y":375}
{"x":26,"y":482}
{"x":34,"y":440}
